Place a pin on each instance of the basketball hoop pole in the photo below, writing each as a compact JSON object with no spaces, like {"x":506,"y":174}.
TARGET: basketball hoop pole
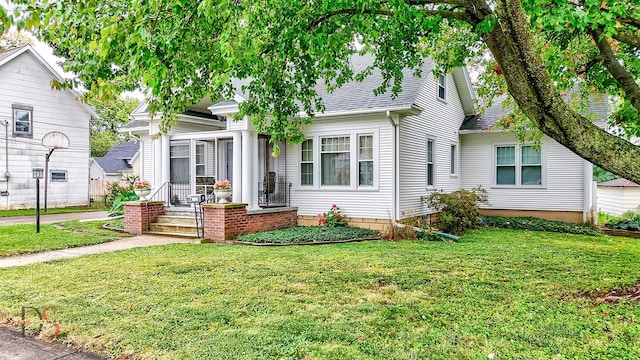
{"x":46,"y":179}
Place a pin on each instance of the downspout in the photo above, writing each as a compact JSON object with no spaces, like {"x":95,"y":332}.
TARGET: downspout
{"x":396,"y":166}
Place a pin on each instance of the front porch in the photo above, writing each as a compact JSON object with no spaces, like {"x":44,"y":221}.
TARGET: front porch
{"x":191,"y":163}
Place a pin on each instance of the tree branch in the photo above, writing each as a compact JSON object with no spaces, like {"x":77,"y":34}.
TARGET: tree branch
{"x":586,"y":67}
{"x":454,"y":15}
{"x":622,"y":76}
{"x":628,"y":38}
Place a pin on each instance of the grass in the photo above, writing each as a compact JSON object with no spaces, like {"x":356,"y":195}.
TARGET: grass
{"x":511,"y":293}
{"x":66,"y":210}
{"x":23,"y":239}
{"x":307,"y":234}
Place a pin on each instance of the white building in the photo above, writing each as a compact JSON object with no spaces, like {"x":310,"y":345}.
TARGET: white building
{"x":29,"y":109}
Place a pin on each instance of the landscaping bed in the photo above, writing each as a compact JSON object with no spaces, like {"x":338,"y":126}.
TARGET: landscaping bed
{"x":308,"y":235}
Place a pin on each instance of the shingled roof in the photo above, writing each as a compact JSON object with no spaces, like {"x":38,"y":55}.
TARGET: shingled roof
{"x":118,"y":158}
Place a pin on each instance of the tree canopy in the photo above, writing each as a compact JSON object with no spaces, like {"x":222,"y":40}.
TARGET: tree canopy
{"x":113,"y":113}
{"x":184,"y":50}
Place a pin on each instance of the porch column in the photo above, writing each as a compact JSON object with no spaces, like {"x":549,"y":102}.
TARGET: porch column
{"x":166,"y":159}
{"x":237,"y":167}
{"x":157,"y":163}
{"x":143,"y":176}
{"x":249,"y":168}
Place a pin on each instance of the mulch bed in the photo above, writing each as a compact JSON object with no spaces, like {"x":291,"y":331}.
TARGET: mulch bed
{"x":618,"y":232}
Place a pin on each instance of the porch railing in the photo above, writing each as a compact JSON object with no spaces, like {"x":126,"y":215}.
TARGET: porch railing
{"x":273,"y":193}
{"x":161,"y":194}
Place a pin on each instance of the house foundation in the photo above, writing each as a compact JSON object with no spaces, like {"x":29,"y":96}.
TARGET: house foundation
{"x":224,"y":222}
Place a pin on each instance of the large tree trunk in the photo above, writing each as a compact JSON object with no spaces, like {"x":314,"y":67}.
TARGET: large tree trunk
{"x":511,"y":43}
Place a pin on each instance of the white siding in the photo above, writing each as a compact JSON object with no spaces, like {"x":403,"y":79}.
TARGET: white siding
{"x":563,"y":175}
{"x":365,"y":203}
{"x":25,"y":81}
{"x":439,"y":120}
{"x":618,"y":200}
{"x":146,"y":158}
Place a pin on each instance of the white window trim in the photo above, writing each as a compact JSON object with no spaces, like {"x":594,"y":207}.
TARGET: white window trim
{"x":66,"y":175}
{"x":435,"y":163}
{"x":441,"y":85}
{"x":195,"y":159}
{"x":353,"y":160}
{"x":313,"y":163}
{"x":456,"y":160}
{"x":518,"y":166}
{"x":19,"y":107}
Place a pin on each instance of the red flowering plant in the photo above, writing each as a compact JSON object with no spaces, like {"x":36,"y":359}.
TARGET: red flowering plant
{"x":332,"y":218}
{"x":222,"y":185}
{"x":141,"y":184}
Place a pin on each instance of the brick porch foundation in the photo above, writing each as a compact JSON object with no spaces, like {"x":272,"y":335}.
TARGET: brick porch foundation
{"x":224,"y":222}
{"x":139,"y":214}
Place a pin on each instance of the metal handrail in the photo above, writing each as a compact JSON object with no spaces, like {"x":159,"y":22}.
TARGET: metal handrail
{"x":162,"y":191}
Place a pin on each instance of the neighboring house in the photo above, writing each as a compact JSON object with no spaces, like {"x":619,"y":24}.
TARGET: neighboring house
{"x":29,"y":109}
{"x":377,"y":157}
{"x":615,"y":197}
{"x":121,"y":159}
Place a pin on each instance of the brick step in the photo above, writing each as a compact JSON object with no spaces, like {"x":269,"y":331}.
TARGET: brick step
{"x":166,"y":233}
{"x":172,"y":228}
{"x":176,"y":220}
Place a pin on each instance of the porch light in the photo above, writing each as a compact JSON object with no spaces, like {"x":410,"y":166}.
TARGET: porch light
{"x":38,"y":173}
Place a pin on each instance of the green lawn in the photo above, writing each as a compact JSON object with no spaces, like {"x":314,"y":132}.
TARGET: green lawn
{"x":504,"y":292}
{"x":66,"y":210}
{"x":23,"y":239}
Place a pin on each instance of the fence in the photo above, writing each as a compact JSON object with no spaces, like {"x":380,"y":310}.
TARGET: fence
{"x":98,"y":190}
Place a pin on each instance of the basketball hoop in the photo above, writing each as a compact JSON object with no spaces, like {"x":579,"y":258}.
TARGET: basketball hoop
{"x":54,"y":140}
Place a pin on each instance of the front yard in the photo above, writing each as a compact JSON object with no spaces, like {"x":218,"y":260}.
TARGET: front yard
{"x":514,"y":294}
{"x":23,"y":239}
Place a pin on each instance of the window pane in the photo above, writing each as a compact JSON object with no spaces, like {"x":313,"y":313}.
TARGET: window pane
{"x":366,"y":148}
{"x":366,"y":173}
{"x":199,"y":170}
{"x":531,"y":175}
{"x":506,"y":175}
{"x":306,"y":174}
{"x":441,"y":86}
{"x":335,"y":169}
{"x":22,"y":121}
{"x":179,"y":170}
{"x":58,"y":176}
{"x":336,"y":144}
{"x":200,"y":154}
{"x":179,"y":151}
{"x":307,"y":150}
{"x":506,"y":155}
{"x":430,"y":174}
{"x":530,"y":156}
{"x":429,"y":151}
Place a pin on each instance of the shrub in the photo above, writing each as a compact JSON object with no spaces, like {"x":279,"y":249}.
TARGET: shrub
{"x":531,"y":223}
{"x":332,"y":218}
{"x":458,"y":210}
{"x":628,"y":221}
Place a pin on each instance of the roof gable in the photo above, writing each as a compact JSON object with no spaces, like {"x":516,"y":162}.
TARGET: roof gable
{"x":9,"y":55}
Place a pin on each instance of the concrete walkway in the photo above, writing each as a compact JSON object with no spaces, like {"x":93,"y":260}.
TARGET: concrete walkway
{"x":53,"y":218}
{"x":14,"y":346}
{"x":121,"y":244}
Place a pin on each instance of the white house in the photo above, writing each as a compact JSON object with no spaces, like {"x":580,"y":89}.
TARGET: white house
{"x":29,"y":109}
{"x":377,"y":157}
